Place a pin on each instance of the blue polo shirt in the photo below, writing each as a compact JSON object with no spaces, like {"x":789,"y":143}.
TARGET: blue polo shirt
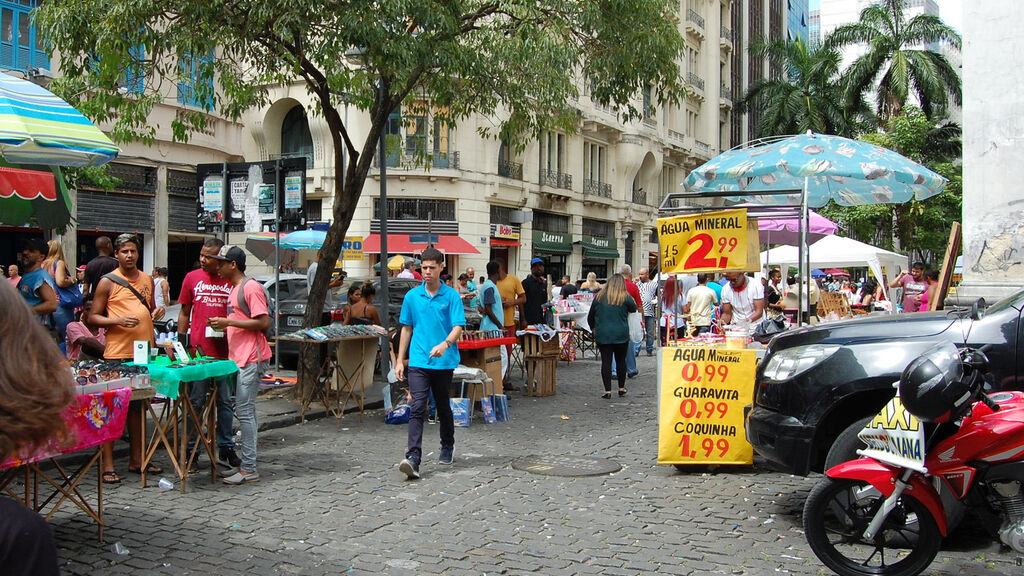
{"x":432,"y":319}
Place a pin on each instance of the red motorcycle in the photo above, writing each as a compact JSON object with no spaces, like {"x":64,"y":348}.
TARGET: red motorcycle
{"x":941,"y":444}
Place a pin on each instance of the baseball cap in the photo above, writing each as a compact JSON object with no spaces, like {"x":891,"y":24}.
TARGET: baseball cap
{"x":229,"y":253}
{"x":36,"y":245}
{"x":536,"y":261}
{"x":81,"y":268}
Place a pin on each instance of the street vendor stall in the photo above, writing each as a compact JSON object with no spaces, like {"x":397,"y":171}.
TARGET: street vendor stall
{"x":92,"y":419}
{"x":346,"y":370}
{"x":786,"y":173}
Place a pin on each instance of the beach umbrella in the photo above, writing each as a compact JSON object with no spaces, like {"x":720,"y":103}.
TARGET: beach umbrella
{"x":38,"y":127}
{"x":304,"y":239}
{"x":849,"y":172}
{"x":397,"y":262}
{"x":261,"y":245}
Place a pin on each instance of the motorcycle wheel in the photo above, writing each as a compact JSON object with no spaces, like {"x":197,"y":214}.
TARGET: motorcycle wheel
{"x":838,"y":510}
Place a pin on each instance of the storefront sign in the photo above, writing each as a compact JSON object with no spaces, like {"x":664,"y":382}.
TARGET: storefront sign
{"x":352,"y":248}
{"x":704,"y":242}
{"x":552,"y":242}
{"x":703,"y":392}
{"x":599,"y":248}
{"x":505,"y":232}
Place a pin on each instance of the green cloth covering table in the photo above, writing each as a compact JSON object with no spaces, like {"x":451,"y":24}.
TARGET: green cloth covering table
{"x":177,"y":419}
{"x":167,"y":380}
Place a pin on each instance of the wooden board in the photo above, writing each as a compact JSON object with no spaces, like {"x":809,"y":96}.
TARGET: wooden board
{"x":946,"y":272}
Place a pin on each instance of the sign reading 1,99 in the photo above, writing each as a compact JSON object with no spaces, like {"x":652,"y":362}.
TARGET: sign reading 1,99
{"x":703,"y":242}
{"x":703,"y":392}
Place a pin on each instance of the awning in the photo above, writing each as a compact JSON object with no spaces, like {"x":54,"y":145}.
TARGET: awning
{"x":450,"y":244}
{"x":551,"y":242}
{"x":504,"y":242}
{"x":599,"y":248}
{"x":34,"y":197}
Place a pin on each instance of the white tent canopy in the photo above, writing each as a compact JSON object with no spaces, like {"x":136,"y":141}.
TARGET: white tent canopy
{"x":839,"y":252}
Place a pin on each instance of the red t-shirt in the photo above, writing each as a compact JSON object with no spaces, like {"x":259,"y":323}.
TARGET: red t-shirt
{"x":247,"y":346}
{"x":635,"y":293}
{"x":208,"y":296}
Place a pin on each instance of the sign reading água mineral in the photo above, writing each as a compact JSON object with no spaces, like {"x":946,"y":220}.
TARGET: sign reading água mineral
{"x":706,"y":242}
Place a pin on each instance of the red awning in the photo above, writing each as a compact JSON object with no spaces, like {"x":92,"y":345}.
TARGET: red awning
{"x":27,"y":184}
{"x":400,"y":244}
{"x":504,"y":242}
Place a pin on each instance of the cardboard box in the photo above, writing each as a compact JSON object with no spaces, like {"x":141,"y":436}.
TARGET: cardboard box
{"x":489,"y":360}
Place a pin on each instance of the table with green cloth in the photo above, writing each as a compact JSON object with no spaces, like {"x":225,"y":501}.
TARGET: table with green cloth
{"x":177,"y":420}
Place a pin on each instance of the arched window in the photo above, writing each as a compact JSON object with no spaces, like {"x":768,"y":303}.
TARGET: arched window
{"x":295,"y":137}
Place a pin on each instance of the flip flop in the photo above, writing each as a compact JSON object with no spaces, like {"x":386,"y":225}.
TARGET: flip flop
{"x":151,"y":469}
{"x":111,"y":477}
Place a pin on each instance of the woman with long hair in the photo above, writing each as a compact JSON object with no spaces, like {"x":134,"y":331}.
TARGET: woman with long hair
{"x":57,"y":267}
{"x":591,"y":285}
{"x":609,"y":323}
{"x":161,"y":288}
{"x":363,"y":311}
{"x":35,"y":387}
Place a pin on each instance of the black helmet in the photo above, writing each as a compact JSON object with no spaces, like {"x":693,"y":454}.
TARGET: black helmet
{"x":932,"y":387}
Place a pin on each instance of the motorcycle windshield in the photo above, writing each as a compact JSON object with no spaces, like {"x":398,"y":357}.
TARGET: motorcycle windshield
{"x":895,"y":437}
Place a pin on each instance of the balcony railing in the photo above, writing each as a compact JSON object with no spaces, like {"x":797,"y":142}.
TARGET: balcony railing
{"x":697,"y":19}
{"x":565,"y":181}
{"x":677,"y":136}
{"x":702,"y":147}
{"x":695,"y":80}
{"x":726,"y":34}
{"x":411,"y":160}
{"x":511,"y":170}
{"x":285,"y":155}
{"x":640,"y":196}
{"x":549,"y":177}
{"x":597,"y":188}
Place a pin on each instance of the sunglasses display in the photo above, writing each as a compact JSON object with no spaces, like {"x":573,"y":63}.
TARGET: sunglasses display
{"x":109,"y":374}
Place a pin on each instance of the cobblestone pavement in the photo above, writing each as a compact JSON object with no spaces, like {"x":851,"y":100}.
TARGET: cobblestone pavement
{"x":332,"y":501}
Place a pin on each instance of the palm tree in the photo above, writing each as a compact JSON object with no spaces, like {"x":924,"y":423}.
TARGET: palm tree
{"x":897,"y":62}
{"x":809,"y":95}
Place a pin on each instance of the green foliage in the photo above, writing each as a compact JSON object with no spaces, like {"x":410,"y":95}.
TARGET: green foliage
{"x":518,"y":62}
{"x":810,"y":95}
{"x":922,"y":228}
{"x":895,"y":66}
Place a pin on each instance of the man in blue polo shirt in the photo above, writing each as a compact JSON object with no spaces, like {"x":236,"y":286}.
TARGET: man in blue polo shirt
{"x":432,"y":321}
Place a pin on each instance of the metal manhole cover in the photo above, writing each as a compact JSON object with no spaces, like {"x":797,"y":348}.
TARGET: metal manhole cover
{"x":566,"y":465}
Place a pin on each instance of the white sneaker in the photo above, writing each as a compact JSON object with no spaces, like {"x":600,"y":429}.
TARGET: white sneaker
{"x":242,"y":478}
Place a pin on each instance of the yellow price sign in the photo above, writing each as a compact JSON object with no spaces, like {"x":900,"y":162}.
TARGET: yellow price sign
{"x":703,"y":243}
{"x":703,"y":392}
{"x":352,"y":248}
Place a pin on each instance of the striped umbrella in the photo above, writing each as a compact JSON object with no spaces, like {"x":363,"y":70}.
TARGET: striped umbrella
{"x":37,"y":127}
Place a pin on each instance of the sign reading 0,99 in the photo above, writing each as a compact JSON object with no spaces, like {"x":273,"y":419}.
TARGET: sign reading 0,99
{"x":703,"y":392}
{"x":703,"y":242}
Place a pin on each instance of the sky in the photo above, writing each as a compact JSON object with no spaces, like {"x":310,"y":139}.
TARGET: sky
{"x":951,"y":11}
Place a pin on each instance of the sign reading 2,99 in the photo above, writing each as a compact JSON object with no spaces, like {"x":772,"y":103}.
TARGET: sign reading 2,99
{"x":703,"y":242}
{"x":703,"y":392}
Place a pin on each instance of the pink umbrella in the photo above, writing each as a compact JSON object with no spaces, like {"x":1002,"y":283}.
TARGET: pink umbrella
{"x":786,"y":230}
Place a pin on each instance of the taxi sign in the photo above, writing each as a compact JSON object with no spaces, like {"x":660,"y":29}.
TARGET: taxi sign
{"x":895,"y":436}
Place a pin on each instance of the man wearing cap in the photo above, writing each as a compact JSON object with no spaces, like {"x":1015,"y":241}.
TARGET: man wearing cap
{"x":36,"y":285}
{"x":536,"y":288}
{"x":248,"y":347}
{"x":204,"y":294}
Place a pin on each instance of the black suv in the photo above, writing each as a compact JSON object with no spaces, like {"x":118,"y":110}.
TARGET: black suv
{"x":817,"y":386}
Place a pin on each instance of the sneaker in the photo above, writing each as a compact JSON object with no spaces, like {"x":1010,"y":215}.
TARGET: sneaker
{"x":432,"y":418}
{"x":242,"y":478}
{"x":650,"y":352}
{"x":447,"y":455}
{"x":410,"y":468}
{"x":227,"y":458}
{"x":631,"y":374}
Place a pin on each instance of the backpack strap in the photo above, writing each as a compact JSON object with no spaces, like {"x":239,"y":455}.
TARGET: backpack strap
{"x":122,"y":282}
{"x":242,"y":304}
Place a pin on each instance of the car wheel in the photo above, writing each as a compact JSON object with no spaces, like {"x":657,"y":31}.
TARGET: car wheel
{"x":846,"y":445}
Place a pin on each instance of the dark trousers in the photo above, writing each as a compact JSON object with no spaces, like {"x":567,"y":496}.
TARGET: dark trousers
{"x":422,"y":380}
{"x":609,"y":351}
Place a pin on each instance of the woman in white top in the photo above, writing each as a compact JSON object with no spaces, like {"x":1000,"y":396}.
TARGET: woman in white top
{"x":161,"y":289}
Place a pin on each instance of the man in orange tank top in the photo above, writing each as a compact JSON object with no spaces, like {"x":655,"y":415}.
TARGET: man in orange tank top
{"x":127,"y":314}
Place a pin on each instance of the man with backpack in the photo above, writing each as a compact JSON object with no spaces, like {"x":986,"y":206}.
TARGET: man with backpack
{"x":248,"y":317}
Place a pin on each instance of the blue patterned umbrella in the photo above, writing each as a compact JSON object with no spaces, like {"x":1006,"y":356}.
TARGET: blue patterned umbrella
{"x":850,"y":172}
{"x":304,"y":239}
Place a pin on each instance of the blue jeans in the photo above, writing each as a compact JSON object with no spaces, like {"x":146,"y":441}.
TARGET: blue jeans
{"x":422,"y":380}
{"x":651,"y":332}
{"x":630,"y":360}
{"x":61,"y":318}
{"x":245,"y":409}
{"x":225,"y":413}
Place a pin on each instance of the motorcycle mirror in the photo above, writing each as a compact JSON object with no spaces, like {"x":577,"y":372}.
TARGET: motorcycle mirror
{"x":978,"y":309}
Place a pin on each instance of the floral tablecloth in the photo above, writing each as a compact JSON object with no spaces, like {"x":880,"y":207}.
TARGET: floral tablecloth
{"x":92,"y":419}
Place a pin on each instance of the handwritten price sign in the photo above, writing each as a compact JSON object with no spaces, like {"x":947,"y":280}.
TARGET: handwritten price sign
{"x":703,"y":243}
{"x":703,"y":392}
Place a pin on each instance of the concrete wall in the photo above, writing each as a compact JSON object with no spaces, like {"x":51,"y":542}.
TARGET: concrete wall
{"x":993,"y":122}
